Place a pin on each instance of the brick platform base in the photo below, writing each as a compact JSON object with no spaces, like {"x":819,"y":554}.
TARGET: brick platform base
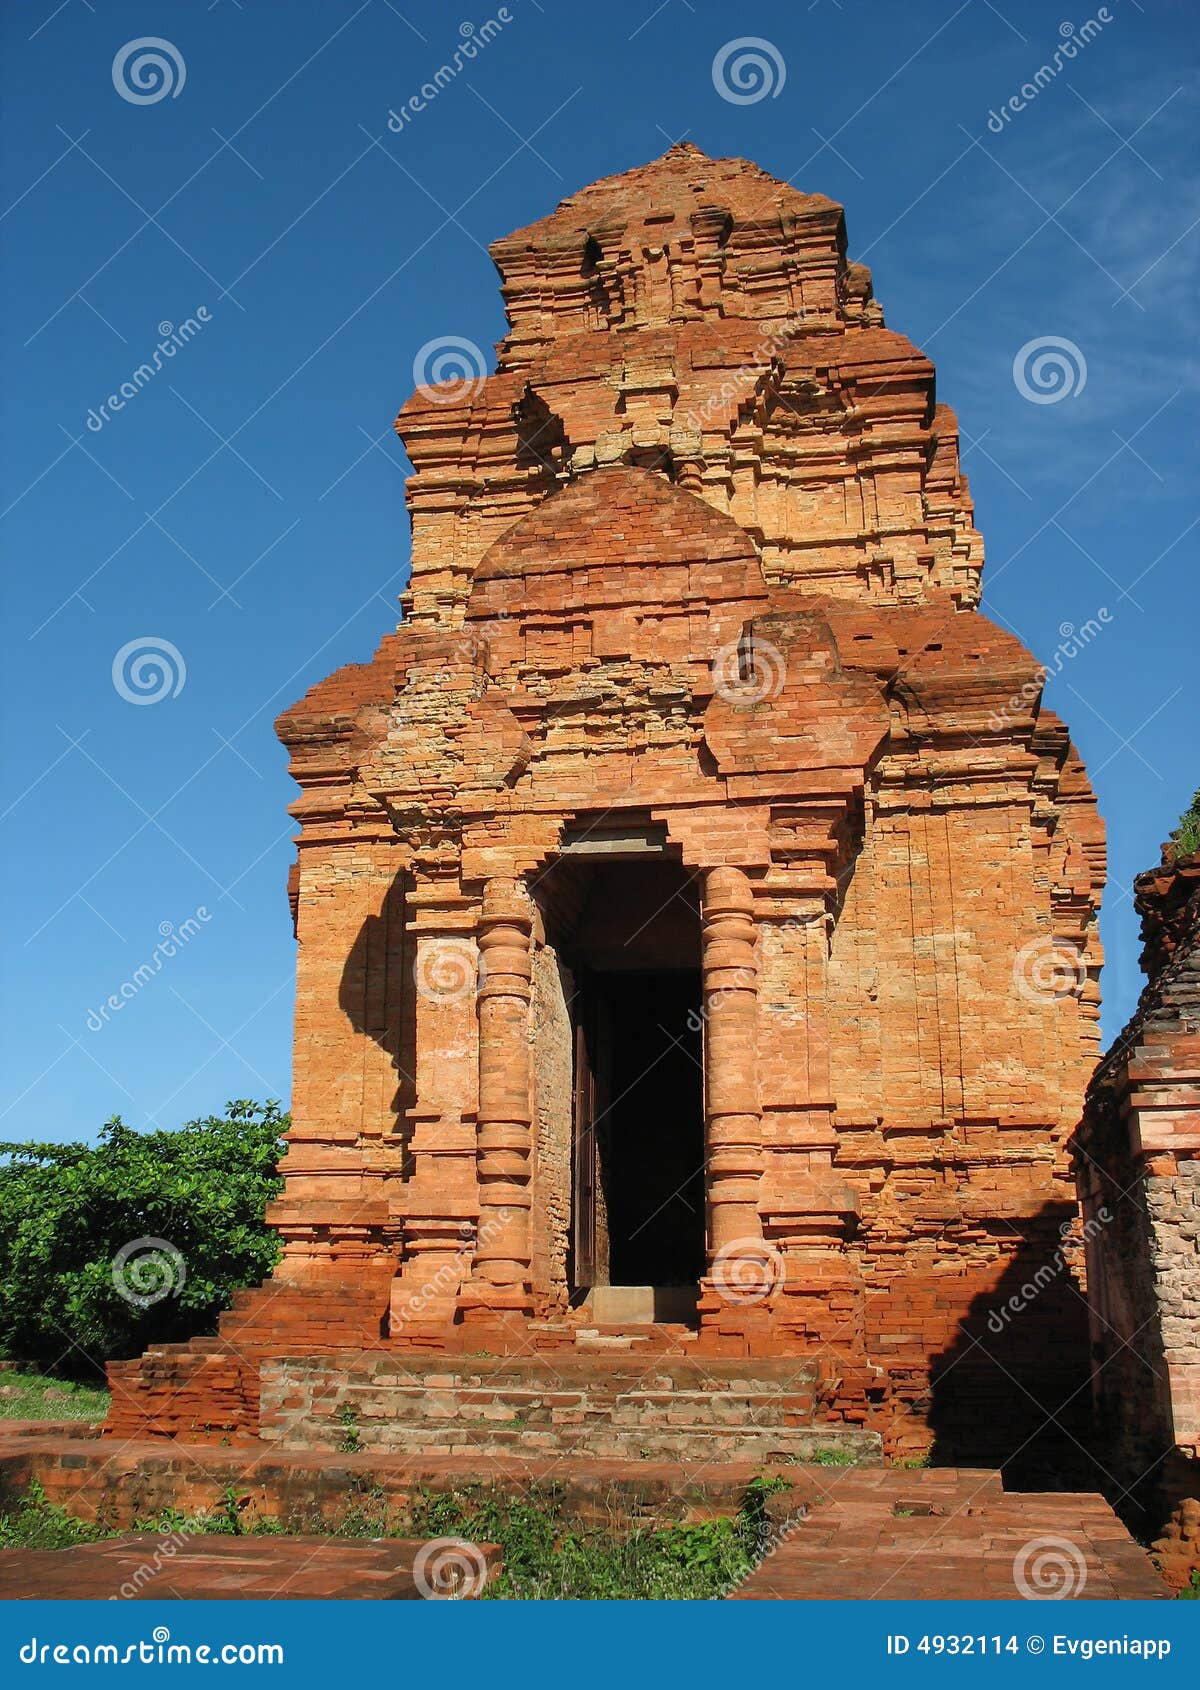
{"x":847,"y":1533}
{"x":147,"y":1567}
{"x":951,"y":1534}
{"x":691,"y":1412}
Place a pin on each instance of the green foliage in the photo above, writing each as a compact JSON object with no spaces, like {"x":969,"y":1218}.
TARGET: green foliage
{"x":1186,"y":837}
{"x":1191,"y":1590}
{"x":35,"y":1523}
{"x":547,"y":1559}
{"x":349,"y":1443}
{"x":834,"y":1458}
{"x":34,"y":1396}
{"x":68,"y":1210}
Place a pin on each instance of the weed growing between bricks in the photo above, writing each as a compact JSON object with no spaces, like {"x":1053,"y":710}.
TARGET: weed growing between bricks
{"x":546,"y":1556}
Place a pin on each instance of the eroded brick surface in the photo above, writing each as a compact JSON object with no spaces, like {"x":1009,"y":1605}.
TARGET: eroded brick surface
{"x":1138,"y":1166}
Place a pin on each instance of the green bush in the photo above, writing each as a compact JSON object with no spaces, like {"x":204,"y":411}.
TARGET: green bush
{"x":139,"y":1239}
{"x":1186,"y":837}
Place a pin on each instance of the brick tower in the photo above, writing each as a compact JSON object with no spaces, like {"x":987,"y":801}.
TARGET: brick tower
{"x":696,"y":907}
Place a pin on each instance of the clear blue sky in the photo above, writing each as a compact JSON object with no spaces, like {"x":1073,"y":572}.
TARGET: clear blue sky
{"x":247,"y":505}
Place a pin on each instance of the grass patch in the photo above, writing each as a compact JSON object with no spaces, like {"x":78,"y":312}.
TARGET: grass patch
{"x":35,"y":1523}
{"x":546,"y":1556}
{"x":35,"y":1396}
{"x":834,"y":1458}
{"x":549,"y":1559}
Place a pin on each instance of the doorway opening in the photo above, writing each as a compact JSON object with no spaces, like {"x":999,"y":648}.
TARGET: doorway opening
{"x":627,"y":934}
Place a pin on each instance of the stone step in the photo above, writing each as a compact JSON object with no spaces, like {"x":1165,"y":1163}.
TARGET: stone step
{"x":690,"y":1446}
{"x":676,"y":1408}
{"x":410,"y":1405}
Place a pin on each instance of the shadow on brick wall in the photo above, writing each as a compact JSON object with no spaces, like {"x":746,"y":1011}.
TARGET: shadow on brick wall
{"x":376,"y":993}
{"x":1013,"y":1389}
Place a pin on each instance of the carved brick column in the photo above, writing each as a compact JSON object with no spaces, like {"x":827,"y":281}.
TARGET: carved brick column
{"x":501,"y":1279}
{"x":736,"y":1289}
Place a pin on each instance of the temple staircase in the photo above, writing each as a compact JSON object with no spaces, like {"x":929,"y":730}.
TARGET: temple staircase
{"x":603,"y":1404}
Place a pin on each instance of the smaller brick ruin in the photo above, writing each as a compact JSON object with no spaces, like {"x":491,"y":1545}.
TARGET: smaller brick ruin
{"x":1137,"y":1161}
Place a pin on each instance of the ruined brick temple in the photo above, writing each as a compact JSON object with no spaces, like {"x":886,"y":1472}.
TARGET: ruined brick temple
{"x":696,"y":907}
{"x":1137,"y":1156}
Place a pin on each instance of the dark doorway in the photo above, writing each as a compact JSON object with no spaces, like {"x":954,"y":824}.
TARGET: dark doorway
{"x":623,"y":920}
{"x":639,"y":1187}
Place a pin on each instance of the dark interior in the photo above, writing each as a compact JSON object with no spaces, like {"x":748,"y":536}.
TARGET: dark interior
{"x":628,"y":932}
{"x":650,"y":1127}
